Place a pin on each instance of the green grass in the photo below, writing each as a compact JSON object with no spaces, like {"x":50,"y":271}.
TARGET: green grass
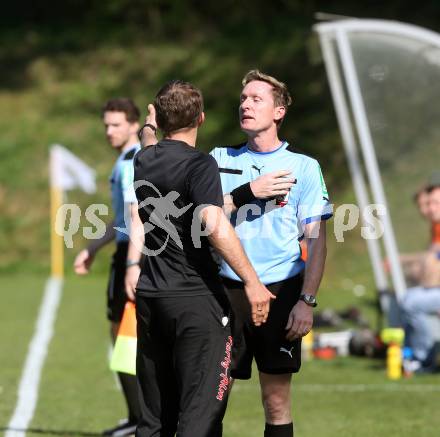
{"x":343,"y":397}
{"x":22,"y":296}
{"x":76,"y":368}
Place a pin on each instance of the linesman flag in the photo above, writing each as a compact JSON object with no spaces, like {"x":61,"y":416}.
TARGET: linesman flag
{"x":124,"y":353}
{"x":66,"y":173}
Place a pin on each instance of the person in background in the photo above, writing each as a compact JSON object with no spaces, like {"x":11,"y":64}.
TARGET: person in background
{"x":121,"y":122}
{"x":412,"y":263}
{"x":434,"y":181}
{"x":424,"y":300}
{"x":421,"y":199}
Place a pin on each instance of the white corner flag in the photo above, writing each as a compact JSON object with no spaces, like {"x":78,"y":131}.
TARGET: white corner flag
{"x":66,"y":173}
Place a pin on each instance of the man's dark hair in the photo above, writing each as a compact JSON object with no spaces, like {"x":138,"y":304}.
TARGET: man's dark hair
{"x":434,"y":180}
{"x":178,"y":106}
{"x":432,"y":187}
{"x":419,"y":192}
{"x":125,"y":105}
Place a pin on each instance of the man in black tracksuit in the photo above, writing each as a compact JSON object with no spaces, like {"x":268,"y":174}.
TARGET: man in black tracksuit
{"x":184,"y":336}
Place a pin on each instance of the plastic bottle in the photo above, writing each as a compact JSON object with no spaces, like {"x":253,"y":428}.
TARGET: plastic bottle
{"x":307,"y":347}
{"x":394,"y":361}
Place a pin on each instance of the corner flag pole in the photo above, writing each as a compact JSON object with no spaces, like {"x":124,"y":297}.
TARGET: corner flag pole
{"x":56,"y":201}
{"x":67,"y":172}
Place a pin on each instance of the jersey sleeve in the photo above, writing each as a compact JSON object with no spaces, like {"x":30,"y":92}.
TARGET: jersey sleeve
{"x":314,"y":201}
{"x":216,"y":154}
{"x":203,"y":182}
{"x":127,"y":179}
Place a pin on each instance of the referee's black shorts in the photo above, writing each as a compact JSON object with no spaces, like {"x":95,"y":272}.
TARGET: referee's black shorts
{"x":116,"y":296}
{"x":273,"y":353}
{"x":183,"y":364}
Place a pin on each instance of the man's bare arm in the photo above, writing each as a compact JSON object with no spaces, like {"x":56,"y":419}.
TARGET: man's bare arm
{"x":224,"y":239}
{"x":430,"y":276}
{"x":135,"y":245}
{"x":148,"y":130}
{"x":317,"y":253}
{"x":228,"y":204}
{"x":109,"y":236}
{"x":301,"y":317}
{"x":85,"y":258}
{"x":412,"y":257}
{"x":412,"y":265}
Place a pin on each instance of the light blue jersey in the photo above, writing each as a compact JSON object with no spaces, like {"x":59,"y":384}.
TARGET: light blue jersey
{"x":270,"y":233}
{"x":121,"y":181}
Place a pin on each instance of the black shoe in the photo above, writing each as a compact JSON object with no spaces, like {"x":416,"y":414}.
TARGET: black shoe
{"x":431,"y":363}
{"x":124,"y":428}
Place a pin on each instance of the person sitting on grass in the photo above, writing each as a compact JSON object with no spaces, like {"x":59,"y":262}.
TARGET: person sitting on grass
{"x":422,"y":301}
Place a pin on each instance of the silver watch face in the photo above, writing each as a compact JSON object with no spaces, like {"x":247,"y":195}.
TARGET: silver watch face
{"x":308,"y":298}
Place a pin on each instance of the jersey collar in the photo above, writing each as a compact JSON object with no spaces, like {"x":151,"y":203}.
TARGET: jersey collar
{"x":283,"y":145}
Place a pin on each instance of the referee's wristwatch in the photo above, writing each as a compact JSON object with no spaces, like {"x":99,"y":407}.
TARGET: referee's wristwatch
{"x":309,"y":300}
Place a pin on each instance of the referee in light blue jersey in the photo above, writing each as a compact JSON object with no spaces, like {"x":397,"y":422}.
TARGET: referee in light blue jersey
{"x":120,"y":117}
{"x":276,"y":196}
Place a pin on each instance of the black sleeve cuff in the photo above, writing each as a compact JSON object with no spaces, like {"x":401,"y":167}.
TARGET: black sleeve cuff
{"x":243,"y":195}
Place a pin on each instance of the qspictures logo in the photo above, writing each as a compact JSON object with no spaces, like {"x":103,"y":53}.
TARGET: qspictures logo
{"x":163,"y":210}
{"x":224,"y":375}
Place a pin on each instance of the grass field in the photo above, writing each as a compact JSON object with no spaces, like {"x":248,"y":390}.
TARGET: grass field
{"x":78,"y":394}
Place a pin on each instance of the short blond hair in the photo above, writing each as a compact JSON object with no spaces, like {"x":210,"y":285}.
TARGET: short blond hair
{"x":281,"y":96}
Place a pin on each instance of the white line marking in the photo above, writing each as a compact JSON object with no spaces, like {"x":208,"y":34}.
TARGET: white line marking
{"x":30,"y":378}
{"x":360,"y":388}
{"x":390,"y":387}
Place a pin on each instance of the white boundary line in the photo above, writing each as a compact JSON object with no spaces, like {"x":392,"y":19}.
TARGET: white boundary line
{"x":30,"y":378}
{"x":360,"y":388}
{"x":387,"y":387}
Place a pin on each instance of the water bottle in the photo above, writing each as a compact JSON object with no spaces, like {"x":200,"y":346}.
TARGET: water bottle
{"x":394,"y":361}
{"x":307,"y":347}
